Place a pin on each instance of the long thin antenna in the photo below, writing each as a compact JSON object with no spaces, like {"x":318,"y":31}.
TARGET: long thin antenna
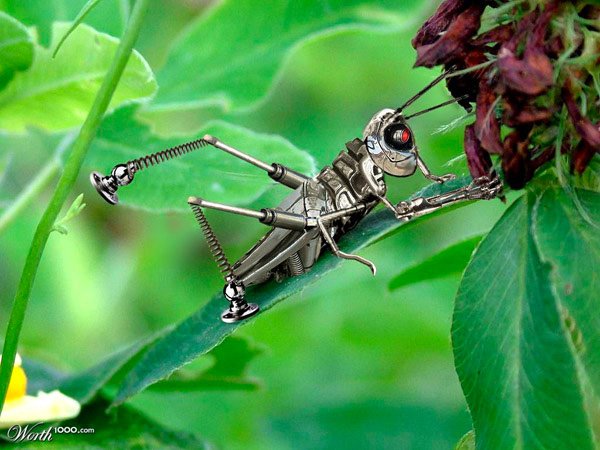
{"x":441,"y":105}
{"x":415,"y":97}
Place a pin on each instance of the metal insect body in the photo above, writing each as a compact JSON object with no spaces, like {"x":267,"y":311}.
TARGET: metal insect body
{"x":320,"y":209}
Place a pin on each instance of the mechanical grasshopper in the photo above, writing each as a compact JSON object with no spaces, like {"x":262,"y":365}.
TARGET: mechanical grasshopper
{"x":320,"y":209}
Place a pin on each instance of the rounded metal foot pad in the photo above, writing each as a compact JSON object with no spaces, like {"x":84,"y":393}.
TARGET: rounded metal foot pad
{"x":96,"y":179}
{"x":230,"y":316}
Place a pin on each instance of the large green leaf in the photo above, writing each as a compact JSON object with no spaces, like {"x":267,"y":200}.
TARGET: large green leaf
{"x":122,"y":428}
{"x":56,"y":94}
{"x":571,"y":244}
{"x":109,"y":17}
{"x":206,"y":172}
{"x":16,"y":48}
{"x":231,"y":56}
{"x":203,"y":330}
{"x":83,"y":386}
{"x":515,"y":359}
{"x":450,"y":261}
{"x":227,"y":371}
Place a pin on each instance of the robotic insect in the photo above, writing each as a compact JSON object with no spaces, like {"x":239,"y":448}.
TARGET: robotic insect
{"x":320,"y":209}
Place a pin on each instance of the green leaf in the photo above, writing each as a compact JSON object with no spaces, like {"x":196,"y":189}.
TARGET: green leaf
{"x":74,"y":210}
{"x":236,"y":50}
{"x":89,"y":6}
{"x":203,"y":330}
{"x":571,"y":245}
{"x":86,"y":385}
{"x":590,"y":179}
{"x":450,"y":261}
{"x":228,"y":371}
{"x":109,"y":17}
{"x":16,"y":48}
{"x":56,"y":94}
{"x":514,"y":359}
{"x":122,"y":428}
{"x":467,"y":442}
{"x":83,"y":386}
{"x":207,"y":172}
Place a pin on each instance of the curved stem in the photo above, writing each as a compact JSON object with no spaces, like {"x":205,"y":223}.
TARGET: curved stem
{"x":65,"y":183}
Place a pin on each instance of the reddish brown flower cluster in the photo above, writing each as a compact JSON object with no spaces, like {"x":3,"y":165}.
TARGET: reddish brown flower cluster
{"x":521,"y":71}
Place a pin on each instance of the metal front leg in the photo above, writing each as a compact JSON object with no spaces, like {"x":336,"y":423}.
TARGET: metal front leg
{"x":480,"y":189}
{"x":427,"y":173}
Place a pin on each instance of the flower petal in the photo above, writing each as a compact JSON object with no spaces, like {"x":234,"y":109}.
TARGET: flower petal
{"x":585,"y":128}
{"x":451,"y":46}
{"x":478,"y":159}
{"x":45,"y":407}
{"x":486,"y":123}
{"x":439,"y":22}
{"x":516,"y":113}
{"x":531,"y":75}
{"x":581,"y":157}
{"x":516,"y":160}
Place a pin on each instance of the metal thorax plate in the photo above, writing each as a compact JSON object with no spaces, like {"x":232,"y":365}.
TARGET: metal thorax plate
{"x":390,"y":142}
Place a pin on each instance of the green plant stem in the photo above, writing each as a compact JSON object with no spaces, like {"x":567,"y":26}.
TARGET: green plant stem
{"x":65,"y":184}
{"x":39,"y":183}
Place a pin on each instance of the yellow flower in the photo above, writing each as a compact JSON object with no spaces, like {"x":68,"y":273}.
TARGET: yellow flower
{"x":21,"y":408}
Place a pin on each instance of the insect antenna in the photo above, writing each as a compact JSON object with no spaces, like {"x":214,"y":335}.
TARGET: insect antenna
{"x":441,"y":105}
{"x":418,"y":95}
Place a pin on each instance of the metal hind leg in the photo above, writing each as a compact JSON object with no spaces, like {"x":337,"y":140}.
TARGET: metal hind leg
{"x":278,"y":172}
{"x":234,"y":290}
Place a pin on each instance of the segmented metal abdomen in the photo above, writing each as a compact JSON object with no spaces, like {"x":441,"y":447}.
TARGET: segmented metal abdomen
{"x":213,"y":244}
{"x":158,"y":157}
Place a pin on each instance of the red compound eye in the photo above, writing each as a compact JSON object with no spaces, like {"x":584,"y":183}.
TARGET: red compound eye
{"x":405,"y":136}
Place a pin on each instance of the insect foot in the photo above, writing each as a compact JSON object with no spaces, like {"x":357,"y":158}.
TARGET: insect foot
{"x":238,"y":309}
{"x":485,"y":188}
{"x":442,"y":179}
{"x":107,"y":185}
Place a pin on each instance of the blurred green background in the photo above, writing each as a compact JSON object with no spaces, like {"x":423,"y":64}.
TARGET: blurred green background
{"x":348,"y":364}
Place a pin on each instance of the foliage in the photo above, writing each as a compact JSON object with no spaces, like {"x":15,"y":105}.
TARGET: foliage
{"x":16,"y":48}
{"x":524,"y":330}
{"x":451,"y":260}
{"x":515,"y":372}
{"x":44,"y":96}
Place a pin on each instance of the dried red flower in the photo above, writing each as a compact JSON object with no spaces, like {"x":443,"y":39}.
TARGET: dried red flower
{"x":516,"y":159}
{"x":478,"y":159}
{"x":439,"y":22}
{"x":486,"y":123}
{"x":589,"y":132}
{"x":518,"y":80}
{"x":517,"y":112}
{"x":451,"y":44}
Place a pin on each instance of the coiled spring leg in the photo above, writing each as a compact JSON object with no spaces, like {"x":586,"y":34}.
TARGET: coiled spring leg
{"x":234,"y":290}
